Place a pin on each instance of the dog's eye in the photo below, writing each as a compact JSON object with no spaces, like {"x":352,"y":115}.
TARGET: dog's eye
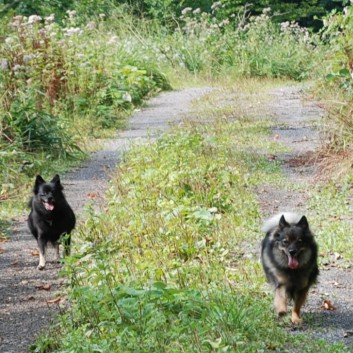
{"x":300,"y":240}
{"x":285,"y":242}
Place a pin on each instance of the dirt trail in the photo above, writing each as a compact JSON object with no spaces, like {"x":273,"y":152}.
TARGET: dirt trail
{"x":295,"y":117}
{"x":25,"y":292}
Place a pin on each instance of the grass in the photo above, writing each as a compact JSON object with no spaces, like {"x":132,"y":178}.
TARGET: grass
{"x":171,"y":262}
{"x":331,"y":205}
{"x":18,"y":175}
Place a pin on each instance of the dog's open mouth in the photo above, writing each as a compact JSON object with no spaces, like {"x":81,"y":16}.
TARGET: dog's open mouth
{"x":293,"y":262}
{"x":48,"y":206}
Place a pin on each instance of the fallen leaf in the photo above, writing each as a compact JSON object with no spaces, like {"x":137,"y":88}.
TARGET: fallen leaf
{"x":92,"y":195}
{"x":54,"y":301}
{"x":348,"y":334}
{"x":35,"y":253}
{"x":2,"y":250}
{"x":31,"y":297}
{"x":337,"y":256}
{"x":327,"y":305}
{"x":43,"y":287}
{"x":276,"y":136}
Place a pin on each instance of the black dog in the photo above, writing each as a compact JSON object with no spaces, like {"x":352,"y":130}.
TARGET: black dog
{"x":289,"y":258}
{"x":51,"y":217}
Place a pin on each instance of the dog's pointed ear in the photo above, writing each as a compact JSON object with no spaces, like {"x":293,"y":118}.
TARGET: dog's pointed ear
{"x":283,"y":223}
{"x":39,"y":181}
{"x":303,"y":223}
{"x":56,"y":181}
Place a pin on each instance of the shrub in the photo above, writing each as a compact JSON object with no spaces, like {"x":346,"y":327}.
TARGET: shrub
{"x":250,"y":46}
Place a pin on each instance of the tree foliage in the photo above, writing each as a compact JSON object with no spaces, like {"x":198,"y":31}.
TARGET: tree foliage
{"x":304,"y":12}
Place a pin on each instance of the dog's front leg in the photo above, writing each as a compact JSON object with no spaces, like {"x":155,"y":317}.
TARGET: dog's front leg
{"x":41,"y":245}
{"x":281,"y":300}
{"x":67,"y":244}
{"x":299,"y":300}
{"x":57,"y":252}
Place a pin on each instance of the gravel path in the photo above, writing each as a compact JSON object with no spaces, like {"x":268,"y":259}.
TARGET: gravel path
{"x":295,"y":117}
{"x":28,"y":297}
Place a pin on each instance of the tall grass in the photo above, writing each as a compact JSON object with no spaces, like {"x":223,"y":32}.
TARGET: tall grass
{"x":242,"y":44}
{"x":336,"y":82}
{"x":62,"y":85}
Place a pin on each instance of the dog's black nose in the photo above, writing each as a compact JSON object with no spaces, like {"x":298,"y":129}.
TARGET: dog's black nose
{"x":292,"y":252}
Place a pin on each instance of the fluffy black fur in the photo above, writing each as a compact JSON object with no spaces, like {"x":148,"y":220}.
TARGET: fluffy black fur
{"x":289,"y":258}
{"x":51,"y":216}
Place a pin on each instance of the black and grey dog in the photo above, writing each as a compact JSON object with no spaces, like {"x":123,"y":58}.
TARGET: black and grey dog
{"x":51,"y":217}
{"x":289,"y":258}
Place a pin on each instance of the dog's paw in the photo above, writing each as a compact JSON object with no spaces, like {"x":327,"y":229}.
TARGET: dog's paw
{"x":40,"y":267}
{"x":282,"y":313}
{"x":296,"y":320}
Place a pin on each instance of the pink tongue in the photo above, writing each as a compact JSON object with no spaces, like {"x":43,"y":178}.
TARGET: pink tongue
{"x":293,"y":263}
{"x":48,"y":206}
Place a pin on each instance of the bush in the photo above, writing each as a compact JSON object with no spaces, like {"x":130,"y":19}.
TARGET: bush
{"x":68,"y":73}
{"x":250,"y":46}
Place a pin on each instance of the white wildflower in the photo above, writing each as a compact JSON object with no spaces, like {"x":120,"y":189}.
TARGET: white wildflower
{"x":266,"y":10}
{"x":17,"y":21}
{"x":284,"y":25}
{"x":16,"y":67}
{"x":216,"y":5}
{"x":71,"y":13}
{"x":186,"y":11}
{"x":225,"y":22}
{"x":4,"y":64}
{"x":34,"y":19}
{"x":91,"y":25}
{"x":127,"y":97}
{"x":112,"y":40}
{"x":197,"y":11}
{"x":72,"y":31}
{"x":28,"y":57}
{"x":9,"y":40}
{"x":102,"y":15}
{"x":50,"y":18}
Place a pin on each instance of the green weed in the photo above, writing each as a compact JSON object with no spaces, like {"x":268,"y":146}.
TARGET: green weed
{"x":332,"y":210}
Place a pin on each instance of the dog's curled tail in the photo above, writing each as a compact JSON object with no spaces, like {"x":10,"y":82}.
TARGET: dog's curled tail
{"x":273,"y":222}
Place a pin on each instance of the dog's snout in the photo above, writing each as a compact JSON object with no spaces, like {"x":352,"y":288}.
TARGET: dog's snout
{"x":292,"y":252}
